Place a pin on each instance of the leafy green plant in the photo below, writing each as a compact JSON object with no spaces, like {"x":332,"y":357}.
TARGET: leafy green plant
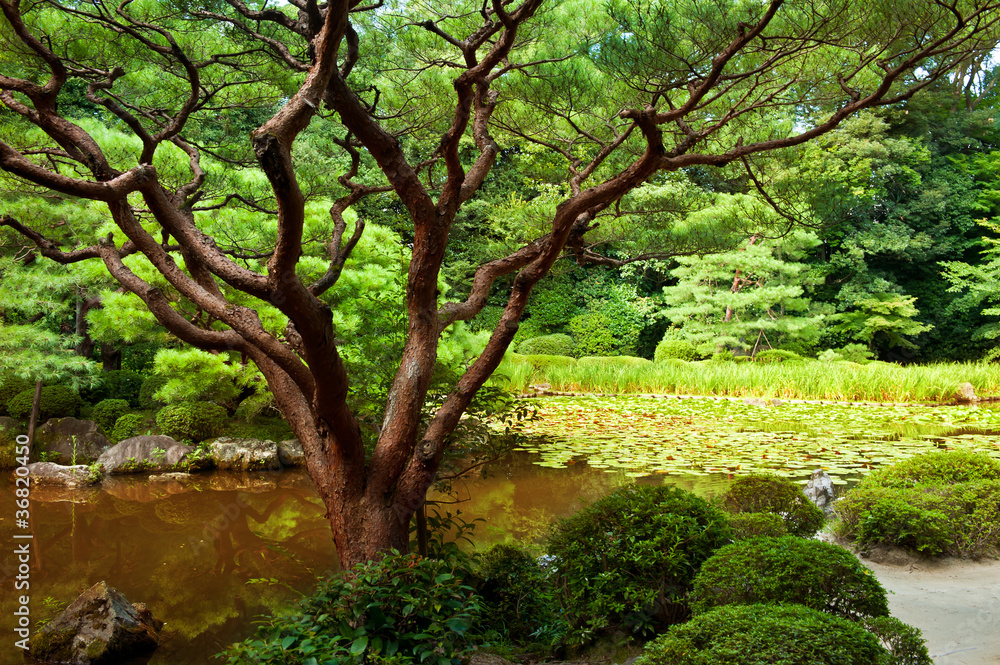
{"x":517,"y":596}
{"x":629,"y":558}
{"x":754,"y":525}
{"x":904,"y":643}
{"x":402,"y":607}
{"x":117,"y":385}
{"x":557,"y":344}
{"x":765,"y":635}
{"x":107,"y":412}
{"x":760,"y":493}
{"x":947,"y":467}
{"x":191,"y":421}
{"x":542,"y":362}
{"x":681,"y":349}
{"x":10,"y":386}
{"x":788,"y":569}
{"x":777,"y":356}
{"x":56,"y":402}
{"x":147,"y":392}
{"x":127,"y":426}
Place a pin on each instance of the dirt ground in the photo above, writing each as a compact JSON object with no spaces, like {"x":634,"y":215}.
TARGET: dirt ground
{"x":955,"y":603}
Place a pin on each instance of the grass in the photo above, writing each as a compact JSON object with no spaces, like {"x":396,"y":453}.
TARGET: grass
{"x":840,"y":381}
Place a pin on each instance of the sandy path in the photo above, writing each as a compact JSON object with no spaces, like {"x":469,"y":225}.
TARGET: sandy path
{"x":955,"y":603}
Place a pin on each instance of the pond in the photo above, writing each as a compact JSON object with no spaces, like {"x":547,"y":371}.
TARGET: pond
{"x":211,"y":552}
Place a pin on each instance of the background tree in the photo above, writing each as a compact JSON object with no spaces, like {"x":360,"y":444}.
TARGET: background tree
{"x":619,"y":92}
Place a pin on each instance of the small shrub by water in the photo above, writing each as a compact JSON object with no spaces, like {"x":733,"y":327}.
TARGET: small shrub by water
{"x":548,"y":345}
{"x":129,"y":425}
{"x":681,"y":349}
{"x":56,"y":402}
{"x":107,"y":412}
{"x":629,"y":559}
{"x":759,"y":493}
{"x":116,"y":384}
{"x":10,"y":386}
{"x":765,"y":635}
{"x":191,"y":421}
{"x":517,"y":599}
{"x":756,"y":525}
{"x":819,"y":575}
{"x":938,"y":503}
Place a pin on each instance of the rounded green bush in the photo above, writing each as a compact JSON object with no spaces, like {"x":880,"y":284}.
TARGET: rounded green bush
{"x":10,"y":386}
{"x":904,"y":643}
{"x":765,"y":635}
{"x":129,"y":425}
{"x":681,"y":349}
{"x":516,"y":595}
{"x":613,"y":361}
{"x":150,"y":385}
{"x":629,"y":558}
{"x":762,"y":493}
{"x":117,"y":384}
{"x":754,"y":525}
{"x":541,"y":363}
{"x":548,"y":345}
{"x":56,"y":402}
{"x":777,"y":356}
{"x":191,"y":421}
{"x":788,"y":569}
{"x":947,"y":467}
{"x":107,"y":412}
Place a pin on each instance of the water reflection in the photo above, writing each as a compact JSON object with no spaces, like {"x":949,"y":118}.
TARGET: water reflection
{"x":191,"y":547}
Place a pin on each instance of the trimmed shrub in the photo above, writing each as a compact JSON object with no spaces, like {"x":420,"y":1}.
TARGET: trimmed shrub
{"x":762,"y":493}
{"x":547,"y":345}
{"x":413,"y":609}
{"x":629,"y":558}
{"x":777,"y":356}
{"x":117,"y":384}
{"x":613,"y":361}
{"x":755,"y":525}
{"x":56,"y":402}
{"x":541,"y":363}
{"x":10,"y":386}
{"x":8,"y":445}
{"x":819,"y":575}
{"x":129,"y":425}
{"x":904,"y":643}
{"x":765,"y":635}
{"x":191,"y":421}
{"x":947,"y":467}
{"x":516,"y":598}
{"x":107,"y":412}
{"x":681,"y":349}
{"x":150,"y":385}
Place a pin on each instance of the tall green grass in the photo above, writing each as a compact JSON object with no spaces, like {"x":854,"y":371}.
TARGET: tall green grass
{"x":841,"y":381}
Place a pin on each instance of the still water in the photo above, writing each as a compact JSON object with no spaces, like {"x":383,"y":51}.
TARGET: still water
{"x":211,"y":552}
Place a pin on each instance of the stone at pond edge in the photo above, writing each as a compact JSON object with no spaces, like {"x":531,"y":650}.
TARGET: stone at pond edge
{"x":756,"y":401}
{"x":49,"y":473}
{"x":100,"y":626}
{"x":244,"y":454}
{"x":290,"y":453}
{"x":149,"y":453}
{"x":9,"y":430}
{"x":58,"y":437}
{"x":965,"y":394}
{"x":819,"y":490}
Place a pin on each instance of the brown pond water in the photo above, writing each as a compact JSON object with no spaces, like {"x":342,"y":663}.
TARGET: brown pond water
{"x":192,"y":549}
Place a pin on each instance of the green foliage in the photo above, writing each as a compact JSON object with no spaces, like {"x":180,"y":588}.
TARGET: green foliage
{"x":192,"y":421}
{"x":939,"y":503}
{"x":107,"y":412}
{"x":904,"y":643}
{"x":556,"y":344}
{"x":116,"y":384}
{"x":517,"y":597}
{"x":765,"y":635}
{"x":680,"y":349}
{"x":755,"y":525}
{"x":402,"y":609}
{"x":789,"y":569}
{"x":127,"y":426}
{"x":11,"y":385}
{"x":886,"y":317}
{"x":629,"y":558}
{"x":542,"y":363}
{"x":56,"y":402}
{"x":147,"y":392}
{"x":34,"y":353}
{"x":777,"y":356}
{"x":855,"y":353}
{"x":758,"y":493}
{"x":613,"y":317}
{"x":193,"y":375}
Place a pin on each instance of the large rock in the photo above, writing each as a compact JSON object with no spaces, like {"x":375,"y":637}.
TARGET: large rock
{"x":819,"y":490}
{"x":966,"y":393}
{"x":70,"y":441}
{"x":101,"y":626}
{"x":49,"y":473}
{"x":244,"y":454}
{"x":9,"y":431}
{"x":290,"y":453}
{"x":149,"y":453}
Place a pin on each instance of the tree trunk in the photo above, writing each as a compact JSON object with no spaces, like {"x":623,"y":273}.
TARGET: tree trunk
{"x":111,"y":357}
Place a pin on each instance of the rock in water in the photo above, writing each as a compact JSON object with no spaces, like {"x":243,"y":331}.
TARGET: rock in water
{"x":965,"y":394}
{"x":290,"y":453}
{"x":244,"y":454}
{"x":819,"y":490}
{"x":101,"y":626}
{"x":148,"y":453}
{"x":71,"y":441}
{"x":48,"y":473}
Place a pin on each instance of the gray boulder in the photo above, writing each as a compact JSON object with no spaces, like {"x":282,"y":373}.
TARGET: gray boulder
{"x":290,"y":453}
{"x":244,"y":454}
{"x":100,"y":626}
{"x":149,"y":453}
{"x":966,"y":393}
{"x":819,"y":490}
{"x":49,"y":473}
{"x":757,"y":401}
{"x":71,"y":441}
